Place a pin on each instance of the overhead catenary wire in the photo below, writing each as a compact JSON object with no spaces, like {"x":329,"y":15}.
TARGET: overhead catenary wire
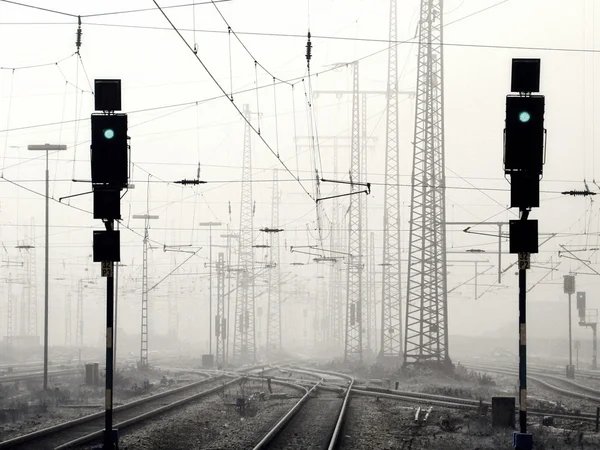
{"x":247,"y":120}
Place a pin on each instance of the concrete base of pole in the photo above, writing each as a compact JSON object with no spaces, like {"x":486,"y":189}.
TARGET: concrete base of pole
{"x":522,"y":441}
{"x":570,"y":372}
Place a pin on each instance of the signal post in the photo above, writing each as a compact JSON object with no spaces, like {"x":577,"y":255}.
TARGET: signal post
{"x":524,"y":148}
{"x":110,"y":174}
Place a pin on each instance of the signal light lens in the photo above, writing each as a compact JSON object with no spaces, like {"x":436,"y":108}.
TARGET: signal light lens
{"x":524,"y":117}
{"x":109,"y":133}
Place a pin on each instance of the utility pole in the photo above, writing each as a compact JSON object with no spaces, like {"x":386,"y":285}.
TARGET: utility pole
{"x":144,"y":323}
{"x":173,"y":310}
{"x":79,"y":318}
{"x":46,"y":148}
{"x":210,"y":297}
{"x":244,"y":346}
{"x":353,"y":351}
{"x":426,"y":330}
{"x":9,"y":315}
{"x":67,"y":319}
{"x":220,"y":318}
{"x":274,"y":298}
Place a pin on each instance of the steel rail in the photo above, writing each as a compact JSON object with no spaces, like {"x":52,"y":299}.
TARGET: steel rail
{"x":274,"y":431}
{"x":550,"y":386}
{"x":147,"y":415}
{"x":88,"y":418}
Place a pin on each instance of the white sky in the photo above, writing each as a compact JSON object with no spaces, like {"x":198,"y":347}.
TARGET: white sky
{"x":168,"y":141}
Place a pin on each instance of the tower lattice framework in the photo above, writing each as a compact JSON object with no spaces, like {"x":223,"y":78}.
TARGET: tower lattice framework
{"x":353,"y":351}
{"x":244,"y":345}
{"x":426,"y":313}
{"x":220,"y":320}
{"x":274,"y":341}
{"x":79,"y":319}
{"x":391,"y":307}
{"x":144,"y":317}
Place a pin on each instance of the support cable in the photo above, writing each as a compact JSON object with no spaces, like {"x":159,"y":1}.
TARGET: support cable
{"x":234,"y":105}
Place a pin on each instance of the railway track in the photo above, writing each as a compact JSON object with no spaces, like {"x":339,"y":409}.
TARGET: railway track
{"x":90,"y":428}
{"x":315,"y":421}
{"x":588,"y":393}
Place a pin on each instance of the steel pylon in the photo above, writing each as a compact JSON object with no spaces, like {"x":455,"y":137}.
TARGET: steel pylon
{"x":244,"y":345}
{"x":426,"y":312}
{"x":274,"y":303}
{"x":144,"y":317}
{"x":391,"y":306}
{"x":353,"y":351}
{"x":220,"y":320}
{"x":79,"y":319}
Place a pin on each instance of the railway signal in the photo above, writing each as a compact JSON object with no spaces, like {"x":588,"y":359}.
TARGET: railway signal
{"x":524,"y":144}
{"x":110,"y":173}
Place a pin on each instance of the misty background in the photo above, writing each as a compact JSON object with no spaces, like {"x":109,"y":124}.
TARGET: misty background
{"x":179,"y":121}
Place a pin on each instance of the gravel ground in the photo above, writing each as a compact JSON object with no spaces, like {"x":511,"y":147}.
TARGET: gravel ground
{"x":212,"y":423}
{"x":21,"y":417}
{"x":312,"y":426}
{"x":389,"y":425}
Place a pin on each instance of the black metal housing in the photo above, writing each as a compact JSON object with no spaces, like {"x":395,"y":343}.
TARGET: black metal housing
{"x":110,"y":155}
{"x":525,"y":75}
{"x":107,"y":95}
{"x":523,"y":236}
{"x":524,"y":134}
{"x":524,"y":190}
{"x":107,"y":245}
{"x":107,"y":203}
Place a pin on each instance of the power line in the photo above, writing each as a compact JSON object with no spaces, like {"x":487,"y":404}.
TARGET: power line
{"x":247,"y":120}
{"x":62,"y":13}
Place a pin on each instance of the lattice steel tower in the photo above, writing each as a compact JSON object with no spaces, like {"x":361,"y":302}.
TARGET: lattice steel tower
{"x":426,"y":311}
{"x":220,"y":320}
{"x":391,"y":307}
{"x":244,"y":346}
{"x":274,"y":305}
{"x":353,"y":351}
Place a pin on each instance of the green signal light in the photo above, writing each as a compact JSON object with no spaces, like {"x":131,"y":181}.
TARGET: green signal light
{"x":524,"y":117}
{"x":109,"y":133}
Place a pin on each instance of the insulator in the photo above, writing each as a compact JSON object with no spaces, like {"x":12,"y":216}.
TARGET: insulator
{"x":308,"y":50}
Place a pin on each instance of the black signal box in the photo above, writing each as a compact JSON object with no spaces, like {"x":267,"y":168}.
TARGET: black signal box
{"x":523,"y":236}
{"x":107,"y":95}
{"x":524,"y":135}
{"x":525,"y":75}
{"x":109,"y":150}
{"x":107,"y":245}
{"x":107,"y":203}
{"x":524,"y":190}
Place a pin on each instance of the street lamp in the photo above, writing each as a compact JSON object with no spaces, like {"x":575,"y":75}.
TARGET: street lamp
{"x":210,"y":318}
{"x":46,"y":148}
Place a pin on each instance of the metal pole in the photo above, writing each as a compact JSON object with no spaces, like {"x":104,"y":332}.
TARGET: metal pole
{"x":46,"y":280}
{"x":210,"y":317}
{"x":595,"y":348}
{"x":116,"y":312}
{"x":499,"y":253}
{"x":570,"y":345}
{"x":108,"y":435}
{"x":523,"y":349}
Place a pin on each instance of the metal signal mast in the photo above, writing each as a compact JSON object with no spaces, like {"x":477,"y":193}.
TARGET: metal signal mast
{"x":244,"y":346}
{"x":353,"y":351}
{"x":391,"y":310}
{"x":274,"y":305}
{"x":426,"y":339}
